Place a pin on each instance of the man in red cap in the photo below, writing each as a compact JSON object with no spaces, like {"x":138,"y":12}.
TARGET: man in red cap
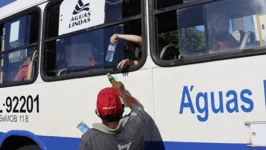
{"x":117,"y":132}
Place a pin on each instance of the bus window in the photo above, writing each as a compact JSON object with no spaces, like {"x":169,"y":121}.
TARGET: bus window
{"x":159,"y":4}
{"x":84,"y":52}
{"x":120,"y":9}
{"x":216,"y":28}
{"x":167,"y":36}
{"x":19,"y":47}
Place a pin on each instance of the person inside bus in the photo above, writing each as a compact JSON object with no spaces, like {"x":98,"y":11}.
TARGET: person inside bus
{"x":220,"y":38}
{"x":133,"y":43}
{"x":23,"y":70}
{"x":129,"y":132}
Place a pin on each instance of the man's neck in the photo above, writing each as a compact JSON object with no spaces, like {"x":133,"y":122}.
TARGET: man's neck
{"x":111,"y":125}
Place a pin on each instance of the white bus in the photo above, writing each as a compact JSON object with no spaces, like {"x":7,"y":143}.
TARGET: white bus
{"x":201,"y":73}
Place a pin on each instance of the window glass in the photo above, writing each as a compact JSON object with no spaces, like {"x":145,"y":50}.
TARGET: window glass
{"x":120,"y":9}
{"x":167,"y":37}
{"x":87,"y":51}
{"x":17,"y":64}
{"x":216,"y":27}
{"x":159,"y":4}
{"x":166,"y":3}
{"x":52,"y":21}
{"x":21,"y":31}
{"x":114,"y":10}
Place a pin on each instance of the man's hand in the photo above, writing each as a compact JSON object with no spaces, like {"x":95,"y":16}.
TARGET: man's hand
{"x":128,"y":99}
{"x":114,"y":39}
{"x":120,"y":88}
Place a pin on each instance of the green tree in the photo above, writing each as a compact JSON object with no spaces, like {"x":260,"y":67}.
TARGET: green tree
{"x":190,"y":39}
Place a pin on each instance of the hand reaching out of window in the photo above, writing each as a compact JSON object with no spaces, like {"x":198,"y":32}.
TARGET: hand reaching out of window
{"x":128,"y":37}
{"x":131,"y":38}
{"x":127,"y":62}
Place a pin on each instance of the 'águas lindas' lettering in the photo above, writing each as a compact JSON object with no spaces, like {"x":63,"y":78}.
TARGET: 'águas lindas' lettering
{"x":80,"y":19}
{"x":230,"y":101}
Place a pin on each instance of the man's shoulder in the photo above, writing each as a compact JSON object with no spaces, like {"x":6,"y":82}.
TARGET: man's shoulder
{"x":90,"y":134}
{"x":89,"y":140}
{"x":137,"y":108}
{"x":138,"y":114}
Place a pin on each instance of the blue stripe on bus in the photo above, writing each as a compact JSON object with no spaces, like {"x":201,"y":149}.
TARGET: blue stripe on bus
{"x":5,"y":2}
{"x":264,"y":84}
{"x":66,"y":143}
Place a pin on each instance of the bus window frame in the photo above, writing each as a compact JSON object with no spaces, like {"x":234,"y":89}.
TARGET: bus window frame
{"x":35,"y":44}
{"x":92,"y":73}
{"x":194,"y":60}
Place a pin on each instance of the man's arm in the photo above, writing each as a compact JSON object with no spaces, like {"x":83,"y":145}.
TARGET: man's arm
{"x":133,"y":104}
{"x":127,"y":62}
{"x":129,"y":100}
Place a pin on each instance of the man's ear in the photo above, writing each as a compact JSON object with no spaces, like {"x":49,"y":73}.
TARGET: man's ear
{"x":123,"y":109}
{"x":97,"y":113}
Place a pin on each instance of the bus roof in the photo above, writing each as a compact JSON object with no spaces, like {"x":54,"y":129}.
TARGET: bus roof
{"x":11,"y":7}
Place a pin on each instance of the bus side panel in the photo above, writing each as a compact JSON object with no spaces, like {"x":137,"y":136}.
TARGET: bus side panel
{"x":64,"y":104}
{"x":209,"y":102}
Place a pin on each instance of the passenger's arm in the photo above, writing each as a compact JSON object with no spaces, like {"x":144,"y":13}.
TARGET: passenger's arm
{"x":127,"y":62}
{"x":128,"y":37}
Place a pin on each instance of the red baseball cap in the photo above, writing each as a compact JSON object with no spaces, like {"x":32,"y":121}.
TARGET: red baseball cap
{"x":108,"y":102}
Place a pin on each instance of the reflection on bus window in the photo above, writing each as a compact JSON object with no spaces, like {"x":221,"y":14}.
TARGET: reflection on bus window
{"x":216,"y":27}
{"x":18,"y":59}
{"x":87,"y":51}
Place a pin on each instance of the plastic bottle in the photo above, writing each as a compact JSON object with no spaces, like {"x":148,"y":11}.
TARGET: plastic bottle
{"x":112,"y":80}
{"x":83,"y":127}
{"x":110,"y":52}
{"x":114,"y":83}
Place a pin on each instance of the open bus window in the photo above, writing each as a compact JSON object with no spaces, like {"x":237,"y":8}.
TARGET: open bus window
{"x":85,"y":52}
{"x":19,"y":49}
{"x":211,"y":28}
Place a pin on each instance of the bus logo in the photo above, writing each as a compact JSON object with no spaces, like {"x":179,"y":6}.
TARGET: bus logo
{"x":81,"y":7}
{"x":79,"y":18}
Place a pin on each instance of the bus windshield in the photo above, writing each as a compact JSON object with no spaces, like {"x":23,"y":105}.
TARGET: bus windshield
{"x":221,"y":26}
